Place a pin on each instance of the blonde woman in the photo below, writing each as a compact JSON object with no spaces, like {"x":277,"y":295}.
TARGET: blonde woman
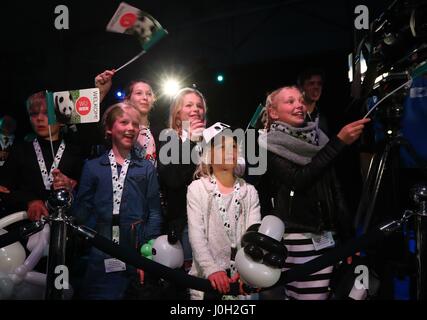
{"x":301,"y":185}
{"x":187,"y":119}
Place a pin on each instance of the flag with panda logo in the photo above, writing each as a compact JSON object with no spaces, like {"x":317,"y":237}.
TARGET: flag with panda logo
{"x":73,"y":106}
{"x":133,"y":21}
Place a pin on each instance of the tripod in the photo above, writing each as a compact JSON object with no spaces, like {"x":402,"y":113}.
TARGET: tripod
{"x":388,"y":154}
{"x":387,"y":158}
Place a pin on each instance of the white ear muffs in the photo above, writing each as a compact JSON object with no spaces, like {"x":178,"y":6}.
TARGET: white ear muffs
{"x":213,"y":130}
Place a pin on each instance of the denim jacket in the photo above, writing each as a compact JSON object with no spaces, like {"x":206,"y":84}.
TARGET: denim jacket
{"x":140,"y":217}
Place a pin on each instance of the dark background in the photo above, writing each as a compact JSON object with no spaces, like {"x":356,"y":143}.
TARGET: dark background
{"x":257,"y":45}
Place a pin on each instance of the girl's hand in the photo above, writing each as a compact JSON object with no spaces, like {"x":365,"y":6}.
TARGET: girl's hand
{"x":196,"y":128}
{"x":103,"y":82}
{"x":61,"y":181}
{"x":352,"y":131}
{"x":36,"y":209}
{"x":220,"y":281}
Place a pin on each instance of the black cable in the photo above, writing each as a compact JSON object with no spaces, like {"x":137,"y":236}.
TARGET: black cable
{"x":10,"y":237}
{"x":177,"y":277}
{"x":181,"y":278}
{"x":20,"y":233}
{"x":332,"y":257}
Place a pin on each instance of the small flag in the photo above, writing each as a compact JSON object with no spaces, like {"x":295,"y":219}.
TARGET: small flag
{"x":133,"y":21}
{"x":73,"y":106}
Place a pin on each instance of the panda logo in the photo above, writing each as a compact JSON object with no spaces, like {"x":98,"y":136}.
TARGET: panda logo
{"x":64,"y":107}
{"x":144,"y":28}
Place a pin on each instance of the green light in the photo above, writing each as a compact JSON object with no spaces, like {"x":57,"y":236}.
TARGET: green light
{"x":220,"y":78}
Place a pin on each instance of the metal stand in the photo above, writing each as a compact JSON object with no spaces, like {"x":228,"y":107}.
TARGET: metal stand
{"x":387,"y":156}
{"x":419,"y":195}
{"x":58,"y":204}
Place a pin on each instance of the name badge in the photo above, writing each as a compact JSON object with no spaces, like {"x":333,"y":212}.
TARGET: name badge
{"x":114,"y":265}
{"x":325,"y":240}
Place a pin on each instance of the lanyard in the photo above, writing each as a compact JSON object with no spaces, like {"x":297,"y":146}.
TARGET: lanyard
{"x":5,"y":141}
{"x":231,"y":233}
{"x":118,"y":185}
{"x":47,"y":177}
{"x":143,"y":145}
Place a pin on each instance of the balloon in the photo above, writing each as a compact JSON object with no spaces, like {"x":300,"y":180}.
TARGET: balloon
{"x":256,"y":274}
{"x":146,"y":250}
{"x":17,"y":281}
{"x":264,"y":242}
{"x":151,"y":242}
{"x":273,"y":227}
{"x":37,"y":251}
{"x":6,"y":286}
{"x":36,"y":278}
{"x":254,"y":227}
{"x":170,"y":255}
{"x":12,"y":218}
{"x":274,"y":260}
{"x":254,"y":252}
{"x":11,"y":256}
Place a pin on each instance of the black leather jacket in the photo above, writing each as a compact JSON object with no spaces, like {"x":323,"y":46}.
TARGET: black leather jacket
{"x":307,"y":198}
{"x":174,"y":180}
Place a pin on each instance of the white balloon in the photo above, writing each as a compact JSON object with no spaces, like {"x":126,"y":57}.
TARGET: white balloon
{"x":37,"y":250}
{"x":11,"y":256}
{"x":254,"y":273}
{"x":12,"y":218}
{"x":6,"y":286}
{"x":169,"y":255}
{"x":273,"y":227}
{"x":17,"y":281}
{"x":36,"y":278}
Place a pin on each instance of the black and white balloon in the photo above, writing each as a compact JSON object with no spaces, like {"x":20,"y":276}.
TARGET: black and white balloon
{"x":261,"y":258}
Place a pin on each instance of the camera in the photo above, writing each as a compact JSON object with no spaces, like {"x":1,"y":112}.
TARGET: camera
{"x":393,"y":48}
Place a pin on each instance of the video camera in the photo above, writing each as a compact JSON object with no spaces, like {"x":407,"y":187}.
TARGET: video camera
{"x":394,"y":46}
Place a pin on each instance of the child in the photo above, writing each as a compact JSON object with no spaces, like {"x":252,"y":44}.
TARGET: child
{"x":220,"y":208}
{"x":119,"y":192}
{"x":301,"y":187}
{"x":139,"y":93}
{"x":31,"y":171}
{"x":187,"y":107}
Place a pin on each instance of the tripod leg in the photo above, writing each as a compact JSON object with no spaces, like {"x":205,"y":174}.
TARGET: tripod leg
{"x":366,"y":192}
{"x":376,"y":187}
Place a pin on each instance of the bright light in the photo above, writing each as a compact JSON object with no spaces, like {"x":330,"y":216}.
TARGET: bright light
{"x":171,"y":87}
{"x":220,"y":78}
{"x":389,"y":132}
{"x":119,"y":94}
